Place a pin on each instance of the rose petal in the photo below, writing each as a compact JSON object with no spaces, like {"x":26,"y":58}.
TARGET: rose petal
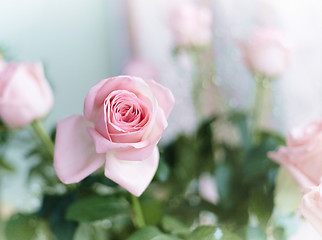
{"x":163,"y":95}
{"x":300,"y":177}
{"x":132,"y":175}
{"x":98,"y":93}
{"x":134,"y":154}
{"x":75,"y":155}
{"x":103,"y":145}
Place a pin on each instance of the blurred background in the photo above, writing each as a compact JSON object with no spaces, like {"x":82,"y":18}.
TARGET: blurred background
{"x":82,"y":42}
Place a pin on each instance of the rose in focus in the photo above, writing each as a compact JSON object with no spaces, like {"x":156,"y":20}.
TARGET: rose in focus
{"x":302,"y":155}
{"x":311,"y":207}
{"x":25,"y":94}
{"x":191,"y":24}
{"x":124,"y":118}
{"x":267,"y":52}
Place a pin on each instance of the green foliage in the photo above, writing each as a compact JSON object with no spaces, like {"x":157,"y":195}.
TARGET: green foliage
{"x":151,"y":233}
{"x":53,"y":210}
{"x":174,"y":226}
{"x":21,"y":226}
{"x":212,"y":233}
{"x":95,"y":208}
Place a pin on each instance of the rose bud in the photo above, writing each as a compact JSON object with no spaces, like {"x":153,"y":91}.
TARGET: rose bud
{"x":191,"y":24}
{"x":302,"y":155}
{"x":124,"y":118}
{"x":25,"y":94}
{"x":266,"y":52}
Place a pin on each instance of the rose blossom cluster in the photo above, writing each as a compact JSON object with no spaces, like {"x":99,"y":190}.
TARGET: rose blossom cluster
{"x":302,"y":158}
{"x":191,"y":24}
{"x":267,"y":52}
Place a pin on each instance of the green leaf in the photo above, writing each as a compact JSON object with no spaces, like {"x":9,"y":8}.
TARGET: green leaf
{"x":96,"y":208}
{"x":151,"y":233}
{"x":174,"y":226}
{"x":212,"y":233}
{"x":287,"y":193}
{"x":21,"y":227}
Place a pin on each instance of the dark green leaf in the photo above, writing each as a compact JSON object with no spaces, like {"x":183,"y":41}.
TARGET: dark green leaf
{"x":96,"y":208}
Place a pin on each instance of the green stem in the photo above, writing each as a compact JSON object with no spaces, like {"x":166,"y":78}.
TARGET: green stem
{"x":139,"y":218}
{"x":43,"y":135}
{"x":258,"y":104}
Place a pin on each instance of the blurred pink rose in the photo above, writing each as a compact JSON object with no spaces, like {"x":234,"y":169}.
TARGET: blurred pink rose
{"x":208,"y":188}
{"x":25,"y":94}
{"x":267,"y":52}
{"x":311,"y":207}
{"x":302,"y":155}
{"x":124,"y":118}
{"x":191,"y":24}
{"x":142,"y":69}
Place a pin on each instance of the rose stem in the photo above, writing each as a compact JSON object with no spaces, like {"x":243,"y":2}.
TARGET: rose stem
{"x":43,"y":135}
{"x":261,"y":82}
{"x":139,"y":221}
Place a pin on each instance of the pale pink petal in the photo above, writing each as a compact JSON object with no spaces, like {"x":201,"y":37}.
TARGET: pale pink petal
{"x":163,"y":95}
{"x":104,"y":145}
{"x":134,"y":176}
{"x":154,"y":136}
{"x":89,"y":103}
{"x":98,"y":93}
{"x":75,"y":155}
{"x":281,"y":157}
{"x":15,"y":114}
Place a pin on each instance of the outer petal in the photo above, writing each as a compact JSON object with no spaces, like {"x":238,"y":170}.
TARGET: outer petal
{"x":281,"y":158}
{"x":134,"y":176}
{"x":75,"y":155}
{"x":163,"y":95}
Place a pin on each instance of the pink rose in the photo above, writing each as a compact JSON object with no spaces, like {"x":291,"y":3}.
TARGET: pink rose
{"x":311,"y":207}
{"x":266,"y":52}
{"x":191,"y":24}
{"x":145,"y":70}
{"x":302,"y":155}
{"x":124,"y":118}
{"x":25,"y":94}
